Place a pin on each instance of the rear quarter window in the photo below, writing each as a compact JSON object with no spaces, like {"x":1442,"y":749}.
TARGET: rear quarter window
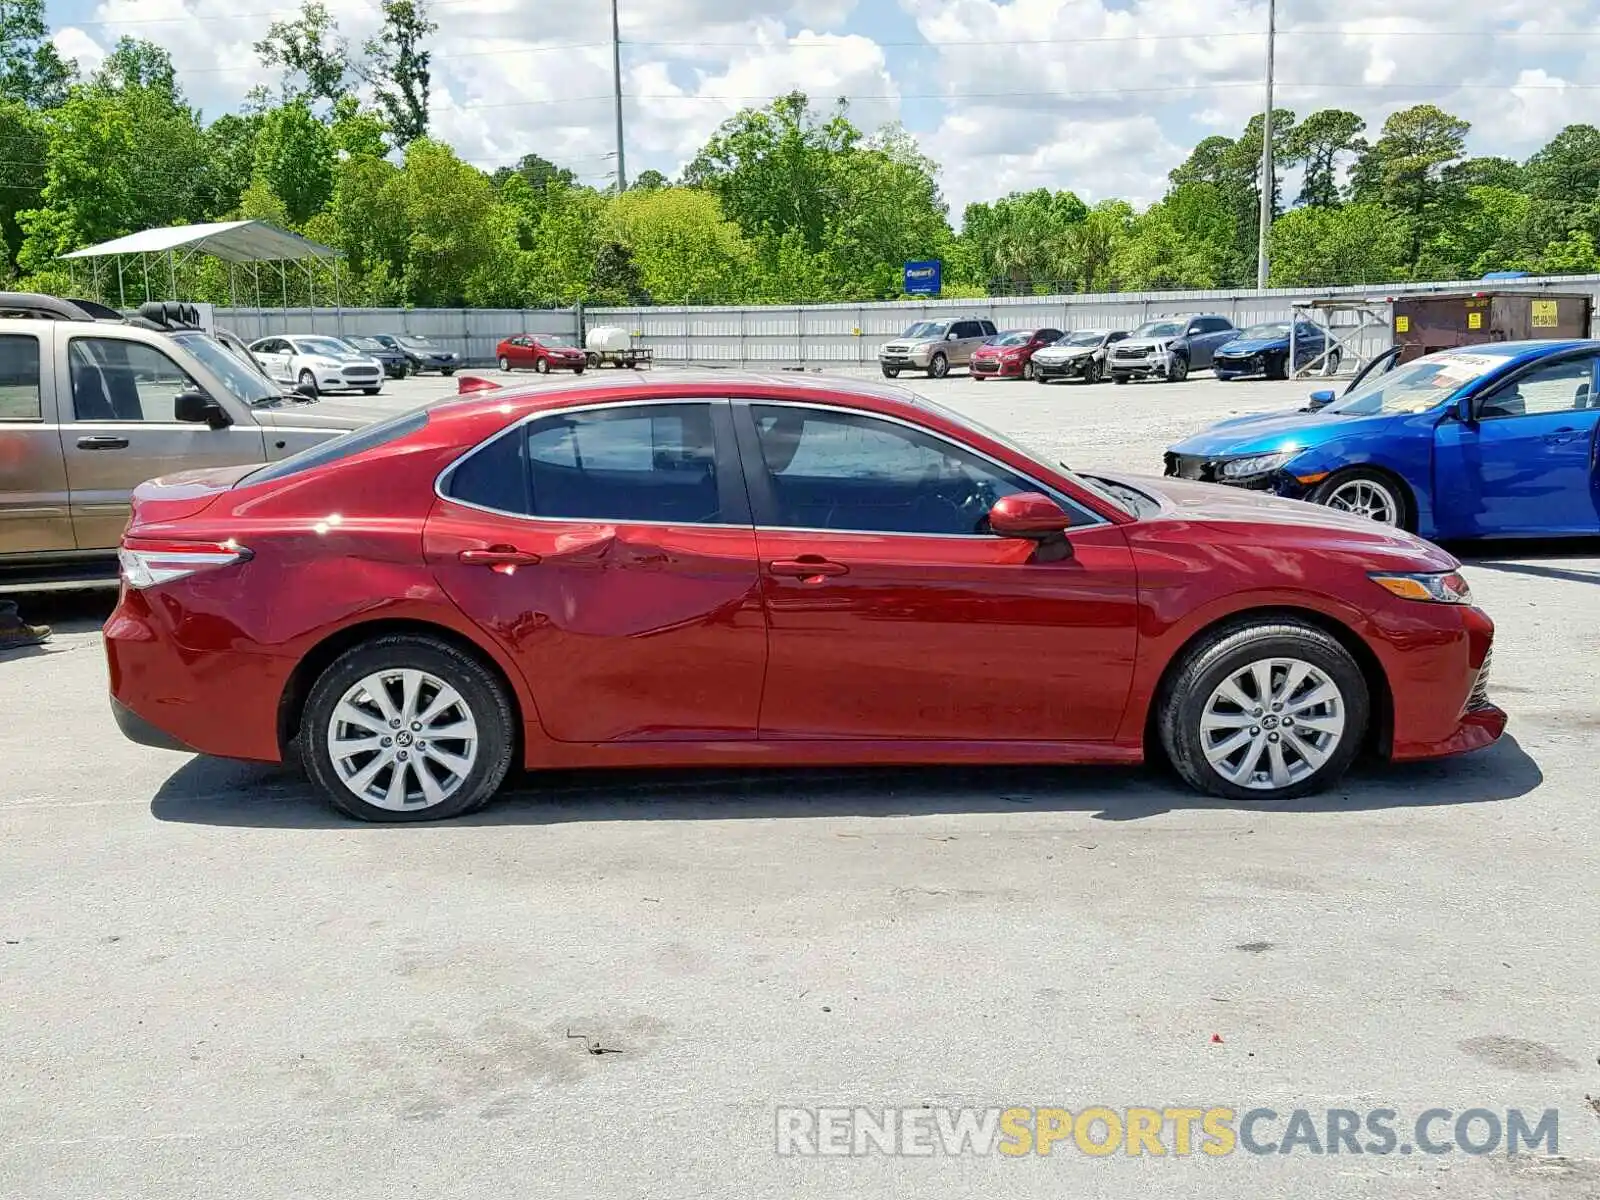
{"x":345,"y":446}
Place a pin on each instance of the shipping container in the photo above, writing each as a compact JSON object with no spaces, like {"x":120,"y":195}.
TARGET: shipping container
{"x":1423,"y":324}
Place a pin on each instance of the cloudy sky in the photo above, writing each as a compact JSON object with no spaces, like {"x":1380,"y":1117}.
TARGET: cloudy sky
{"x":1100,"y":96}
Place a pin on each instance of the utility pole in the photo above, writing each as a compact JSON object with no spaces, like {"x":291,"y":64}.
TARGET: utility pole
{"x":1267,"y":175}
{"x":616,"y":73}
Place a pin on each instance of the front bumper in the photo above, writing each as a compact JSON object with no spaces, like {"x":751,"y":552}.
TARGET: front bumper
{"x":1424,"y":727}
{"x":344,"y":379}
{"x":1246,"y":364}
{"x":1071,"y":368}
{"x":1146,"y":367}
{"x":1204,"y":469}
{"x":994,"y":368}
{"x":433,"y":362}
{"x":906,"y":360}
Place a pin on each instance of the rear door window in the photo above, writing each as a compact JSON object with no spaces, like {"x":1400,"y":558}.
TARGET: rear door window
{"x":20,"y":399}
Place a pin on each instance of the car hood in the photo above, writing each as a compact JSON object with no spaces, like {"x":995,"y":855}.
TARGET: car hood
{"x":1254,"y":345}
{"x":1143,"y":343}
{"x":1311,"y":525}
{"x":324,"y":414}
{"x":1054,"y":352}
{"x":428,"y":352}
{"x":1265,"y":433}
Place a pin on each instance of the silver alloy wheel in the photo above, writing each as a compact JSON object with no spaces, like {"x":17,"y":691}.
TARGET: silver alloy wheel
{"x":1366,"y":498}
{"x":1027,"y":367}
{"x":1272,"y":723}
{"x":402,"y":740}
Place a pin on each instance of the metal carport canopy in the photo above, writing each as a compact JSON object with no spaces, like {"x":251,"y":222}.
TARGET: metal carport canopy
{"x":232,"y":241}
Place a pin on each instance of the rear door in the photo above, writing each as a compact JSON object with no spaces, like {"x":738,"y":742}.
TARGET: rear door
{"x":896,"y":615}
{"x":273,"y":356}
{"x":35,"y":516}
{"x":1526,"y":465}
{"x":969,"y":336}
{"x":122,"y":430}
{"x":610,"y":550}
{"x":1212,"y":333}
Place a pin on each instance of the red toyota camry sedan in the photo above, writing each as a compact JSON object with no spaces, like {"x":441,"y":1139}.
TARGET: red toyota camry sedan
{"x":722,"y":569}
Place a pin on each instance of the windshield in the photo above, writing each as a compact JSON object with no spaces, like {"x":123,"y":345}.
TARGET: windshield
{"x":421,"y":343}
{"x":552,"y":339}
{"x":1084,"y":337}
{"x":243,"y":383}
{"x":318,"y":345}
{"x":366,"y":343}
{"x":1265,"y":333}
{"x":1158,"y":329}
{"x":1019,"y":337}
{"x":1417,"y":385}
{"x":926,"y":329}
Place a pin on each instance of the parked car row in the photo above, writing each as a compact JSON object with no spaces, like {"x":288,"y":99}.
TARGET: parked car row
{"x":1167,"y":348}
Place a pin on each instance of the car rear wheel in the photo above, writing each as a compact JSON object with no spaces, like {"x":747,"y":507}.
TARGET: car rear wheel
{"x":406,"y":728}
{"x":939,"y":367}
{"x":1092,"y":373}
{"x":447,"y":371}
{"x":1264,"y":712}
{"x":1366,"y":494}
{"x":309,"y":381}
{"x":542,"y":365}
{"x":505,"y":363}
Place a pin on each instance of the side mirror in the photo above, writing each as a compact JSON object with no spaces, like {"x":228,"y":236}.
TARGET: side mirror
{"x":1463,"y":410}
{"x":197,"y":408}
{"x":1028,"y":515}
{"x":951,"y":336}
{"x":1322,"y":399}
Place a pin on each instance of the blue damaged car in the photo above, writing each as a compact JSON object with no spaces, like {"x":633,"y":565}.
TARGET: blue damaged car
{"x":1494,"y":440}
{"x":1264,"y":350}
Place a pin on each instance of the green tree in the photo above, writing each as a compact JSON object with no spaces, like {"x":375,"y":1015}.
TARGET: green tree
{"x":314,"y":58}
{"x":25,"y":137}
{"x":230,"y":148}
{"x":1181,"y":242}
{"x":294,"y":159}
{"x":1405,"y":168}
{"x":397,"y":67}
{"x":31,"y":71}
{"x":1326,"y":247}
{"x":357,"y":131}
{"x":685,"y":251}
{"x":1566,"y":169}
{"x":648,"y":181}
{"x":1318,"y":144}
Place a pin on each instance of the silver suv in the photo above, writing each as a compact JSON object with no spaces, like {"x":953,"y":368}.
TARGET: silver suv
{"x":91,"y":407}
{"x":935,"y":346}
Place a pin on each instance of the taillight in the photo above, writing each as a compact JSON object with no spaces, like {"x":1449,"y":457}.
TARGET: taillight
{"x":149,"y":561}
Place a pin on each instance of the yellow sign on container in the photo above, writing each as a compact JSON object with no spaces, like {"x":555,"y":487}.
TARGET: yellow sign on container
{"x":1402,"y":324}
{"x":1474,"y":320}
{"x":1544,"y":314}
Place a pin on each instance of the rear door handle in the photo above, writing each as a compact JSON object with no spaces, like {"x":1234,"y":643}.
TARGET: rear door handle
{"x":102,"y":441}
{"x":499,"y":556}
{"x":806,"y":566}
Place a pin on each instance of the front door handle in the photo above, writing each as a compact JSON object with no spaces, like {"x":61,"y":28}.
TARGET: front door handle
{"x":102,"y":441}
{"x":499,"y":556}
{"x":807,"y":566}
{"x":1560,"y":437}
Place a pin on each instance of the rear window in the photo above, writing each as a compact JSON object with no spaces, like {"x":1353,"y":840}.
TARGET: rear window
{"x":345,"y":446}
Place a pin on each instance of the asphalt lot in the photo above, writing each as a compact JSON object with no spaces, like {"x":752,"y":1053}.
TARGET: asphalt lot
{"x":210,"y":985}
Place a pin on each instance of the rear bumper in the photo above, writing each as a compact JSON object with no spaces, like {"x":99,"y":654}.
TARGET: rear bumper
{"x":136,"y":729}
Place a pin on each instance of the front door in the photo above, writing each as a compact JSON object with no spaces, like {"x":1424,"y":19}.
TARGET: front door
{"x":123,"y":430}
{"x":1526,"y":464}
{"x":894,"y":614}
{"x":610,"y":551}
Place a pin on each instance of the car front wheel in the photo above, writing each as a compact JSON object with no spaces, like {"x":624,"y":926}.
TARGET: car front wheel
{"x":406,"y":728}
{"x":891,"y":372}
{"x":542,"y":365}
{"x":1366,"y":494}
{"x":1179,"y":370}
{"x":1264,"y":712}
{"x":308,"y":384}
{"x":939,"y":367}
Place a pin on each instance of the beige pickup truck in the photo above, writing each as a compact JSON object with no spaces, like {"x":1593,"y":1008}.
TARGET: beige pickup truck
{"x":91,"y":407}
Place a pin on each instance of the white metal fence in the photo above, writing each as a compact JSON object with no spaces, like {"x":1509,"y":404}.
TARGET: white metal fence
{"x":472,"y":333}
{"x":838,"y":335}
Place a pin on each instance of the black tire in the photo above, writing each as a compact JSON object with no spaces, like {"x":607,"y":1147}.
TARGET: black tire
{"x":592,"y":360}
{"x":402,"y":372}
{"x":372,"y":391}
{"x":1093,"y":373}
{"x":1115,"y":378}
{"x":542,"y":366}
{"x":447,"y":371}
{"x":306,"y":377}
{"x":505,"y":363}
{"x":579,"y":370}
{"x":1229,"y":649}
{"x":938,"y":367}
{"x":1040,"y":378}
{"x":1179,"y":371}
{"x":891,"y":372}
{"x":483,"y":694}
{"x":1028,"y":369}
{"x":1330,"y":365}
{"x":1406,"y":518}
{"x":1278,"y":367}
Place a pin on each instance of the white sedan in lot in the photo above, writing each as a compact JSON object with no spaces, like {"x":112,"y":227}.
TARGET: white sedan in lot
{"x":318,"y":364}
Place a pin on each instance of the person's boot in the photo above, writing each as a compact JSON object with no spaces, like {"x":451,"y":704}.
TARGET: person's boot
{"x":15,"y":635}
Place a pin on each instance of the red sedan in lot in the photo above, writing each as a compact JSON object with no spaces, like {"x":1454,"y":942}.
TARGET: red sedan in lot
{"x":1009,"y":355}
{"x":726,"y":569}
{"x":543,"y":352}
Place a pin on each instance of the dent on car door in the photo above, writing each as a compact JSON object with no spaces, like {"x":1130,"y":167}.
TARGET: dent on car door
{"x":35,"y":516}
{"x":610,"y":552}
{"x":895,"y":614}
{"x":123,"y":430}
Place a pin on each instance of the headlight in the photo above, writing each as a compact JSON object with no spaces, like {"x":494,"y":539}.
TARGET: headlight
{"x":1447,"y":587}
{"x":324,"y":364}
{"x":1257,"y":464}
